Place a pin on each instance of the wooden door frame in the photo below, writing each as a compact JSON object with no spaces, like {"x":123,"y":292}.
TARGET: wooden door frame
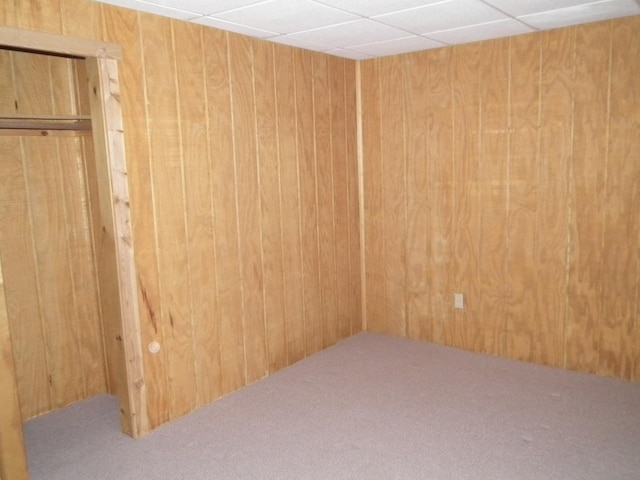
{"x":106,"y":117}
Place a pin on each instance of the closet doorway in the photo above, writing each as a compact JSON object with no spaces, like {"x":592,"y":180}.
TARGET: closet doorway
{"x":66,"y":247}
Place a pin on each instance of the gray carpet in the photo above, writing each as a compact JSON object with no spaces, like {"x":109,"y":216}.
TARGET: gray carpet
{"x":371,"y":407}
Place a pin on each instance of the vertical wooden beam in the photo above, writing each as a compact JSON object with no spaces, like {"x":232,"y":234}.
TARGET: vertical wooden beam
{"x":13,"y":459}
{"x":112,"y":185}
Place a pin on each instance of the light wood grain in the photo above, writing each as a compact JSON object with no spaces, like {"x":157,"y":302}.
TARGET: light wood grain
{"x":439,"y":138}
{"x":308,"y":201}
{"x":268,"y":137}
{"x":621,"y":259}
{"x":248,"y":199}
{"x":323,"y":140}
{"x":13,"y":458}
{"x":373,"y":215}
{"x":520,"y":196}
{"x":223,"y":185}
{"x":416,"y":75}
{"x":524,"y":339}
{"x":394,"y":194}
{"x":190,"y":72}
{"x":169,"y":199}
{"x":124,"y":25}
{"x":290,"y":203}
{"x":587,"y":178}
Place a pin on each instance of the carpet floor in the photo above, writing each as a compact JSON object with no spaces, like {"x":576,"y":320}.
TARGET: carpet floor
{"x":371,"y":407}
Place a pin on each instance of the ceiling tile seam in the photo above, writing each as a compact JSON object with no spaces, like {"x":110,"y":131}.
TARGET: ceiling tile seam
{"x":517,"y":19}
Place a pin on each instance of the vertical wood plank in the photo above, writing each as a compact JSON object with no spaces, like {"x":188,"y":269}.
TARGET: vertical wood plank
{"x":20,"y":273}
{"x":290,"y":203}
{"x":341,"y":204}
{"x":440,"y":138}
{"x":88,"y":322}
{"x":352,"y":105}
{"x":270,"y":210}
{"x":587,"y":196}
{"x":523,"y":337}
{"x":556,"y":116}
{"x":393,"y":190}
{"x":123,"y":26}
{"x":324,"y":169}
{"x":13,"y":458}
{"x":32,"y":84}
{"x":169,"y":203}
{"x":373,"y":197}
{"x":308,"y":200}
{"x":416,"y":75}
{"x":621,"y":258}
{"x":248,"y":198}
{"x":190,"y":69}
{"x":225,"y":211}
{"x":465,"y":329}
{"x":45,"y":201}
{"x":7,"y":90}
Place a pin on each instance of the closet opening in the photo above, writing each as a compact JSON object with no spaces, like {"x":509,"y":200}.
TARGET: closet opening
{"x":70,"y":313}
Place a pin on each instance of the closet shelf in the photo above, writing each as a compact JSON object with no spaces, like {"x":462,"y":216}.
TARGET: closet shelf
{"x":45,"y":122}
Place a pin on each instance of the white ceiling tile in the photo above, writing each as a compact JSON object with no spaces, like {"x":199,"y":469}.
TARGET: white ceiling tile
{"x":352,"y":33}
{"x":287,"y":16}
{"x":442,"y":16}
{"x":350,"y":54}
{"x":205,"y":7}
{"x":369,"y":28}
{"x":147,"y":7}
{"x":517,"y":8}
{"x":485,"y":31}
{"x":368,"y":8}
{"x":592,"y":12}
{"x":234,"y":27}
{"x":300,"y":43}
{"x":394,"y":47}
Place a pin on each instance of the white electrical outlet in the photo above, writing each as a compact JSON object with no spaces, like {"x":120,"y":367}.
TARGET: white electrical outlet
{"x":458,"y":300}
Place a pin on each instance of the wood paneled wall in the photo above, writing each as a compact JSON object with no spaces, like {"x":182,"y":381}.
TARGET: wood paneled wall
{"x":243,"y":182}
{"x":509,"y":171}
{"x":46,"y":239}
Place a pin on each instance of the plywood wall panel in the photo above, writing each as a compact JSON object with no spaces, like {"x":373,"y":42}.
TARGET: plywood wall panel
{"x":323,"y":138}
{"x":198,"y":212}
{"x":530,"y":157}
{"x":556,"y":127}
{"x":587,"y":192}
{"x":169,"y":210}
{"x":53,"y":278}
{"x":353,"y":179}
{"x":621,"y":257}
{"x":373,"y":194}
{"x":20,"y":273}
{"x":394,"y":195}
{"x":290,"y":203}
{"x":524,"y":161}
{"x":440,"y":150}
{"x":416,"y":76}
{"x":252,"y":265}
{"x":124,"y":26}
{"x":267,"y":137}
{"x":226,"y":248}
{"x":340,"y":200}
{"x":248,"y":198}
{"x":308,"y":201}
{"x":85,"y":293}
{"x":476,"y":129}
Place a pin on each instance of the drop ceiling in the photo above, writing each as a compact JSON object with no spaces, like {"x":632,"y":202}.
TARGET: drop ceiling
{"x":363,"y":29}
